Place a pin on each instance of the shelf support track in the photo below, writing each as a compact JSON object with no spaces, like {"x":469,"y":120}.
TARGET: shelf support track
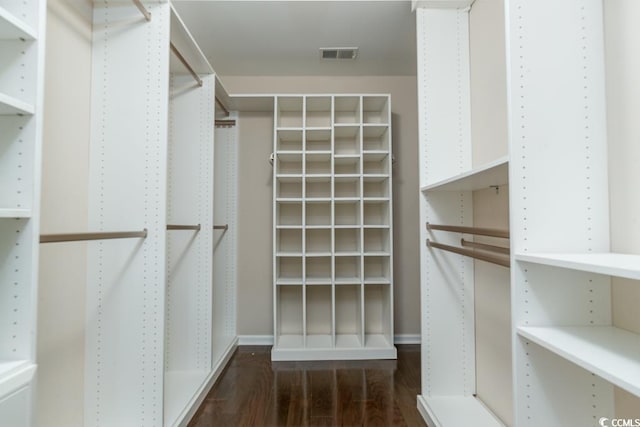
{"x":183,"y":227}
{"x":494,"y":259}
{"x":142,"y":9}
{"x":493,"y":232}
{"x":182,"y":59}
{"x":77,"y":237}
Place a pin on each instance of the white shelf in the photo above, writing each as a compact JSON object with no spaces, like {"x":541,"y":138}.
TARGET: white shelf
{"x":290,"y":341}
{"x":348,"y":253}
{"x":12,"y":27}
{"x":613,"y":264}
{"x":287,"y":281}
{"x":318,"y":281}
{"x":494,"y":173}
{"x":288,"y":254}
{"x":377,"y":280}
{"x":318,"y":254}
{"x":609,"y":352}
{"x":289,"y":199}
{"x":376,"y":341}
{"x":319,"y":341}
{"x":15,"y":213}
{"x":456,"y":411}
{"x":11,"y":106}
{"x":348,"y":341}
{"x":376,"y":253}
{"x":15,"y":374}
{"x":348,"y":280}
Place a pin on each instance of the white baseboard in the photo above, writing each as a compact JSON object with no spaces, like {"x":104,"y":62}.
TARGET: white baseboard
{"x":268,"y":339}
{"x":407,"y":339}
{"x":255,"y":339}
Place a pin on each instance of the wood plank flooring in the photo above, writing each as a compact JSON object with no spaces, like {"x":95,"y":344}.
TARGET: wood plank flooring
{"x":253,"y":391}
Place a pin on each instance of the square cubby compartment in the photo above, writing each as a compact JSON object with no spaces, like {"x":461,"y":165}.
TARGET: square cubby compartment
{"x":376,"y":213}
{"x":318,"y":241}
{"x":318,"y":187}
{"x":289,"y":140}
{"x":289,"y":112}
{"x":318,"y":140}
{"x":375,"y":109}
{"x":289,"y":213}
{"x":290,"y":317}
{"x":376,"y":240}
{"x":319,"y":316}
{"x":347,"y":213}
{"x":289,"y":187}
{"x":289,"y":269}
{"x":375,"y":187}
{"x":347,"y":140}
{"x":375,"y":138}
{"x":346,"y":164}
{"x":346,"y":187}
{"x":347,"y":269}
{"x":318,"y":163}
{"x":347,"y":240}
{"x":289,"y":163}
{"x":348,"y":308}
{"x":318,"y":213}
{"x":318,"y":111}
{"x":289,"y":241}
{"x":375,"y":163}
{"x":347,"y":109}
{"x":377,"y":269}
{"x":318,"y":270}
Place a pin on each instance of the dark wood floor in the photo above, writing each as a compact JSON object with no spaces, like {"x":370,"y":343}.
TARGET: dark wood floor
{"x":253,"y":391}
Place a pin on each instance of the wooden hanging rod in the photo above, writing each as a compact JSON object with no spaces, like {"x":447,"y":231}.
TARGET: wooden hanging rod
{"x":494,"y":259}
{"x":484,"y":246}
{"x":178,"y":55}
{"x":183,"y":227}
{"x":493,"y":232}
{"x":222,"y":107}
{"x":221,"y":227}
{"x":76,"y":237}
{"x":225,"y":123}
{"x":142,"y":9}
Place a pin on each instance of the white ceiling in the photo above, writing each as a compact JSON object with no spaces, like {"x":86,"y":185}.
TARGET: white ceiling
{"x":279,"y":38}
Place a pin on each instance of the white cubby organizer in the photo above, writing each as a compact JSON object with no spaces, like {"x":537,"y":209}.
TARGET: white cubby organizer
{"x":22,"y":46}
{"x":333,"y":256}
{"x":567,"y":356}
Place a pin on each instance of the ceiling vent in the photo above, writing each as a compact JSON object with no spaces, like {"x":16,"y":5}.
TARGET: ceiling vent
{"x":338,"y":52}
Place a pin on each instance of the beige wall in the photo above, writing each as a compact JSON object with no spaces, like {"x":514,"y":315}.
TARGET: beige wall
{"x":61,"y":305}
{"x":255,"y":295}
{"x":622,"y":35}
{"x":491,"y":208}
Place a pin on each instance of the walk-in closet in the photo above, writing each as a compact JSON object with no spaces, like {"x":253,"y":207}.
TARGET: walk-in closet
{"x":285,"y":213}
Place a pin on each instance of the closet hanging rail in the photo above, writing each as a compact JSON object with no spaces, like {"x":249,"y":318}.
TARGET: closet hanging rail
{"x":76,"y":237}
{"x":484,"y":246}
{"x":223,"y":108}
{"x":225,"y":123}
{"x":142,"y":9}
{"x":494,"y":259}
{"x":493,"y":232}
{"x":221,"y":227}
{"x":183,"y":227}
{"x":178,"y":55}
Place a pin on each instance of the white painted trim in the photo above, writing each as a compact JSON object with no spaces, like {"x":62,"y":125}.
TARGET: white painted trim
{"x":407,"y":339}
{"x":255,"y":339}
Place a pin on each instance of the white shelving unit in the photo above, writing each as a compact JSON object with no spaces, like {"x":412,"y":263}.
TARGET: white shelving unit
{"x":160,"y":321}
{"x":567,"y":355}
{"x":22,"y":44}
{"x":333,"y":257}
